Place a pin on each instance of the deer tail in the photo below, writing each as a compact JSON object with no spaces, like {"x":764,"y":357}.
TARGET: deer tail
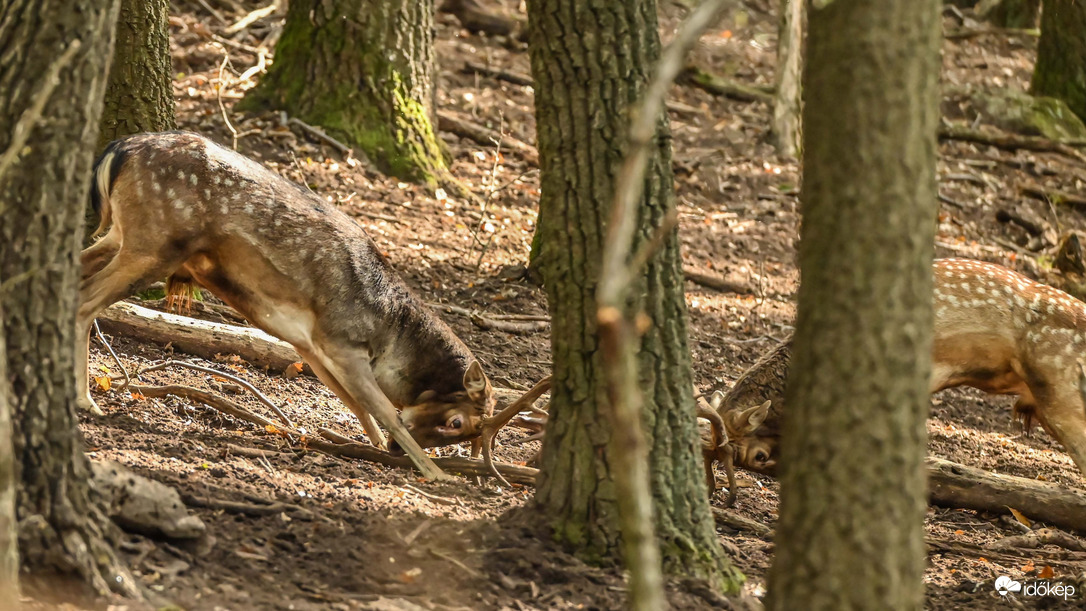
{"x":105,"y":173}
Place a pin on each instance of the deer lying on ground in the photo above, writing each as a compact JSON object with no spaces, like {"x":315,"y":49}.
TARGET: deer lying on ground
{"x":177,"y":204}
{"x":995,"y":330}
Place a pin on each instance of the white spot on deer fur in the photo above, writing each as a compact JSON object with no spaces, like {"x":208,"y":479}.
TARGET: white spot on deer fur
{"x":216,"y":179}
{"x":139,"y":190}
{"x":248,"y":208}
{"x":192,"y":180}
{"x":181,"y":176}
{"x":207,"y":192}
{"x":236,"y":197}
{"x":228,"y":182}
{"x":953,"y":300}
{"x":223,"y":209}
{"x":157,"y":187}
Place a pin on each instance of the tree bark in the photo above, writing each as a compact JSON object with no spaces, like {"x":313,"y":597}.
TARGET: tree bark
{"x":139,"y":95}
{"x":9,"y":542}
{"x":850,"y":534}
{"x":364,"y":71}
{"x":54,"y":55}
{"x":1060,"y":71}
{"x":590,"y":61}
{"x":788,"y":102}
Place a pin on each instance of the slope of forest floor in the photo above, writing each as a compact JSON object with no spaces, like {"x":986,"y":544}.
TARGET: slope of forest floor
{"x":363,"y":536}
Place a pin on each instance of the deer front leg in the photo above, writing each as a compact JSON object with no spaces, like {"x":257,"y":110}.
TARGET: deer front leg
{"x":364,"y":397}
{"x":373,"y":432}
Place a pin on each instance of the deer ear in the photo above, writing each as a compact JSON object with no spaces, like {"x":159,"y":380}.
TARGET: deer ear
{"x":716,"y":400}
{"x":426,"y":395}
{"x":752,"y":418}
{"x":476,"y":383}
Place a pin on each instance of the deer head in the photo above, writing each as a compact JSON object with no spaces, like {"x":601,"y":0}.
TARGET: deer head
{"x":439,"y":420}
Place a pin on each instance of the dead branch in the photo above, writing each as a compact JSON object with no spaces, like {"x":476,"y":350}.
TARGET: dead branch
{"x":1037,"y":538}
{"x":955,"y":485}
{"x":731,"y":519}
{"x":466,"y":312}
{"x":1068,"y":560}
{"x":476,"y":19}
{"x":964,"y":33}
{"x":1032,"y":227}
{"x":317,"y":133}
{"x":251,"y":18}
{"x":1011,"y":142}
{"x":716,"y":282}
{"x":449,"y":122}
{"x":617,"y":329}
{"x":214,"y":372}
{"x":250,"y":509}
{"x":515,"y":78}
{"x":1052,"y":195}
{"x":721,"y":86}
{"x":516,"y":324}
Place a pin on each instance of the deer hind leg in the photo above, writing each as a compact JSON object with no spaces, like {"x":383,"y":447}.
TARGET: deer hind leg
{"x":362,"y":395}
{"x":110,"y":273}
{"x":1063,"y":415}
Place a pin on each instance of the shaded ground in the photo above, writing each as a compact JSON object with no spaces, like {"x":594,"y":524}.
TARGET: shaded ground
{"x":371,"y":537}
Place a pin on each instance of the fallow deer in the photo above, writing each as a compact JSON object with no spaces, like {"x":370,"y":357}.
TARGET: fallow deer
{"x":176,"y":204}
{"x":995,"y":330}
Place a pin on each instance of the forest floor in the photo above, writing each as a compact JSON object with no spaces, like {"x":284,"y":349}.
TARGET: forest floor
{"x":372,"y":537}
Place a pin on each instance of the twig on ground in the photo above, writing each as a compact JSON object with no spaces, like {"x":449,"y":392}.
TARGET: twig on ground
{"x":521,"y":325}
{"x":241,"y":46}
{"x":716,"y":282}
{"x":253,"y":452}
{"x":116,"y":359}
{"x":316,"y":132}
{"x":448,"y":558}
{"x":214,"y":13}
{"x":222,"y":107}
{"x":1037,"y":538}
{"x":731,"y":519}
{"x":453,"y":124}
{"x":1003,"y":140}
{"x":433,"y":497}
{"x":251,"y":18}
{"x":728,"y":88}
{"x":240,"y":382}
{"x":1052,"y":195}
{"x":251,"y":509}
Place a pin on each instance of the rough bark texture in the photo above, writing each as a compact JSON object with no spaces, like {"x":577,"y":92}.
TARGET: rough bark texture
{"x":788,"y":102}
{"x":41,"y":225}
{"x":1060,"y":71}
{"x":852,"y":490}
{"x":139,"y":96}
{"x":363,"y":70}
{"x":9,"y":545}
{"x":590,"y":61}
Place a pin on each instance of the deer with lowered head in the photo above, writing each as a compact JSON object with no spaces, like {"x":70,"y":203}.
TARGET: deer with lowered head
{"x":176,"y":204}
{"x":995,"y":330}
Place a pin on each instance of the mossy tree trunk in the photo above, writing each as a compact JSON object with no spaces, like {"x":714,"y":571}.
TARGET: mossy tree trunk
{"x":364,"y":71}
{"x":55,"y":54}
{"x":590,"y":61}
{"x":1060,"y":71}
{"x":139,"y":96}
{"x":9,"y":533}
{"x":850,"y":533}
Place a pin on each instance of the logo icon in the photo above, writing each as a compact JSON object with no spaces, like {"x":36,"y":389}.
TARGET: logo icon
{"x":1005,"y":584}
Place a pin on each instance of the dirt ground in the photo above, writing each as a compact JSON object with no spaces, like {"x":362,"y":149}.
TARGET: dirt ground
{"x":362,"y":536}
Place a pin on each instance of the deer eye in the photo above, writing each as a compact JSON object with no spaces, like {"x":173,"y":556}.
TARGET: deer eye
{"x":455,"y":422}
{"x":761,"y":456}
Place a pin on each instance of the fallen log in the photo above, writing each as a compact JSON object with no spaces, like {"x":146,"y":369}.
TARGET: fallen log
{"x":959,"y":486}
{"x":198,"y":337}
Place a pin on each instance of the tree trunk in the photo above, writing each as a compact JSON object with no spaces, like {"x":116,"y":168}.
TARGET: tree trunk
{"x":850,"y":533}
{"x":55,"y":54}
{"x":788,"y":101}
{"x":9,"y":548}
{"x":1060,"y":71}
{"x":584,"y":90}
{"x":364,"y":71}
{"x":139,"y":96}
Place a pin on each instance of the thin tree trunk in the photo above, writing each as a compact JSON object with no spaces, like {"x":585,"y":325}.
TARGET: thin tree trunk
{"x":363,"y":70}
{"x":583,"y":94}
{"x":788,"y":102}
{"x":139,"y":96}
{"x":850,"y":533}
{"x":54,"y":55}
{"x":9,"y":542}
{"x":1060,"y":71}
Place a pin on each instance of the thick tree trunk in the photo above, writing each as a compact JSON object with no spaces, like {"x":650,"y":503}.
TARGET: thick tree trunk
{"x":788,"y":101}
{"x":850,"y":534}
{"x":1060,"y":71}
{"x":363,"y":70}
{"x":139,"y":96}
{"x":54,"y":54}
{"x":585,"y":87}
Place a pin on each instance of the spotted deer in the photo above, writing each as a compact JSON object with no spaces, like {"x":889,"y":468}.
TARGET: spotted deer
{"x":995,"y":330}
{"x":176,"y":204}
